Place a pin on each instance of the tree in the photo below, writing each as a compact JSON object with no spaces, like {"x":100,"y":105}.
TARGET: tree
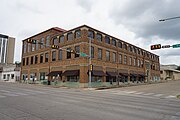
{"x":178,"y":68}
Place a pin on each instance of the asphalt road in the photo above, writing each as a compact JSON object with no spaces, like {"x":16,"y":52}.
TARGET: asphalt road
{"x":30,"y":102}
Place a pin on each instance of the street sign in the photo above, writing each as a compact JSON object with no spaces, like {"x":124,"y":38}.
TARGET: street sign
{"x":176,"y":46}
{"x":83,"y":54}
{"x":166,"y":46}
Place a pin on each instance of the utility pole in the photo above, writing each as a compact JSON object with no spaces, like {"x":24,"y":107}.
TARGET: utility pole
{"x":90,"y":39}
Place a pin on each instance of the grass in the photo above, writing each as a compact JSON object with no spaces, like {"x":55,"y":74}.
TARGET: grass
{"x":178,"y":96}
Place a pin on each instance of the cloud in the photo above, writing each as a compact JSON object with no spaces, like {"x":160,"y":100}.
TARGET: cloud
{"x":142,"y":17}
{"x":85,"y":4}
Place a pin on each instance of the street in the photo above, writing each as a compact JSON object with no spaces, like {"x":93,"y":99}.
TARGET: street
{"x":145,"y":102}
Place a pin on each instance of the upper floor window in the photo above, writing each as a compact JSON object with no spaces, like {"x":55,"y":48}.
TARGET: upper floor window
{"x":23,"y":61}
{"x":53,"y":55}
{"x":113,"y":42}
{"x":125,"y":46}
{"x":27,"y":61}
{"x":41,"y":58}
{"x":47,"y":41}
{"x":24,"y":49}
{"x":139,"y":63}
{"x":42,"y":42}
{"x":99,"y":37}
{"x":68,"y":53}
{"x":33,"y":47}
{"x":107,"y":39}
{"x":130,"y":48}
{"x":135,"y":51}
{"x":92,"y":52}
{"x":120,"y":58}
{"x":46,"y":57}
{"x":36,"y":59}
{"x":91,"y":34}
{"x":139,"y":51}
{"x":70,"y":36}
{"x":78,"y":34}
{"x":120,"y":44}
{"x":125,"y":59}
{"x":134,"y":61}
{"x":77,"y":49}
{"x":29,"y":47}
{"x":37,"y":46}
{"x":114,"y":57}
{"x":107,"y":55}
{"x":55,"y":41}
{"x":99,"y":53}
{"x":60,"y":54}
{"x":130,"y":61}
{"x":61,"y":39}
{"x":32,"y":59}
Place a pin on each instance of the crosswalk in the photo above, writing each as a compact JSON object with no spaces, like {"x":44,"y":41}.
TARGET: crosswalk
{"x":11,"y":93}
{"x":138,"y":93}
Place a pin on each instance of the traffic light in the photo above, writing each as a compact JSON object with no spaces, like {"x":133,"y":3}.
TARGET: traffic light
{"x":31,"y":41}
{"x":54,"y":46}
{"x":91,"y":67}
{"x":158,"y":46}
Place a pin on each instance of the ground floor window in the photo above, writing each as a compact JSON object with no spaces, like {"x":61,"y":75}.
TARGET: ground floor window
{"x":96,"y":79}
{"x":72,"y":78}
{"x":124,"y":79}
{"x":132,"y":79}
{"x":24,"y":77}
{"x":4,"y":76}
{"x":110,"y":79}
{"x":43,"y":76}
{"x":12,"y":76}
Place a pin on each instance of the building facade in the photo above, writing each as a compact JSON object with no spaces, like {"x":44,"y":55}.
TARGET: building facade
{"x":7,"y":45}
{"x":114,"y":60}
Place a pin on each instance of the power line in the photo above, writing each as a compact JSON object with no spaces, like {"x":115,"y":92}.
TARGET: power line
{"x":169,"y":18}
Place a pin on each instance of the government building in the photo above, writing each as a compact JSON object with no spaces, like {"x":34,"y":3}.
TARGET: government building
{"x":111,"y":60}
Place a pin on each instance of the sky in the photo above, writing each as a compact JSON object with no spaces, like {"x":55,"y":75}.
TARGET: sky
{"x":134,"y":21}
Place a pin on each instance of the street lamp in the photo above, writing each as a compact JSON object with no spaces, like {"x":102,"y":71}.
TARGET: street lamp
{"x":162,"y":20}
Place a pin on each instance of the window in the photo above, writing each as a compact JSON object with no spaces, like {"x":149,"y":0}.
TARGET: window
{"x":92,"y":52}
{"x":99,"y":37}
{"x":139,"y":51}
{"x":60,"y":54}
{"x":77,"y":49}
{"x":114,"y":57}
{"x":134,"y":61}
{"x":47,"y":41}
{"x":107,"y":40}
{"x":36,"y":59}
{"x":46,"y":57}
{"x":41,"y":58}
{"x":161,"y":72}
{"x":135,"y":50}
{"x":139,"y":63}
{"x":78,"y":34}
{"x":24,"y":47}
{"x":29,"y":47}
{"x":142,"y":64}
{"x":33,"y":47}
{"x":61,"y":39}
{"x":37,"y":46}
{"x":4,"y":76}
{"x":120,"y":58}
{"x":42,"y":75}
{"x":113,"y":42}
{"x":130,"y":49}
{"x":70,"y":36}
{"x":42,"y":42}
{"x":54,"y":56}
{"x":32,"y":59}
{"x":55,"y":41}
{"x":125,"y":59}
{"x":73,"y":78}
{"x":12,"y":76}
{"x":91,"y":34}
{"x":130,"y":61}
{"x":120,"y":44}
{"x":99,"y":53}
{"x":27,"y":61}
{"x":107,"y":55}
{"x":23,"y":61}
{"x":68,"y":53}
{"x":125,"y":46}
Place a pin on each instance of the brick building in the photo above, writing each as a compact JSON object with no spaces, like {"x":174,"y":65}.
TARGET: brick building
{"x":113,"y":59}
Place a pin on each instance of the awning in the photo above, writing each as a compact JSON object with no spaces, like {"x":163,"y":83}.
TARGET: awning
{"x":71,"y":73}
{"x":98,"y":73}
{"x":124,"y":74}
{"x":55,"y":73}
{"x":112,"y":74}
{"x":134,"y":75}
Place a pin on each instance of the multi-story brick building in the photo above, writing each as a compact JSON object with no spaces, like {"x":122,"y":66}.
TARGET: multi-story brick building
{"x":113,"y":59}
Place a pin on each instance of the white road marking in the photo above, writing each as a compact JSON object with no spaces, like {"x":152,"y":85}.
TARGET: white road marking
{"x":158,"y":95}
{"x":170,"y":96}
{"x":148,"y":93}
{"x":138,"y":93}
{"x":10,"y":94}
{"x":130,"y":92}
{"x":1,"y":96}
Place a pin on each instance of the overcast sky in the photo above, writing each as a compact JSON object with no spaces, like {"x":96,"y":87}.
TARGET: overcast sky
{"x":134,"y":21}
